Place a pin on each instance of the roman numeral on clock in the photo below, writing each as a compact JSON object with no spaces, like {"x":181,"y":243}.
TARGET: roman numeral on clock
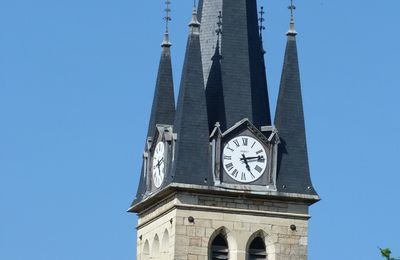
{"x":226,"y":157}
{"x":258,"y":168}
{"x":243,"y":176}
{"x":258,"y":152}
{"x":229,"y":166}
{"x":245,"y":141}
{"x":235,"y":173}
{"x":236,"y":142}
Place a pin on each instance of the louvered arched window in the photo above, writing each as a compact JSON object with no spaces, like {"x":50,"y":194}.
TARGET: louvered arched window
{"x":257,"y":250}
{"x":219,"y":248}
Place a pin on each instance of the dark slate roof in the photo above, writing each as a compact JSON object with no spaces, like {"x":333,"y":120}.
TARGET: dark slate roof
{"x":199,"y":10}
{"x":242,"y":66}
{"x":260,"y":99}
{"x":163,"y":109}
{"x":293,"y":169}
{"x":215,"y":93}
{"x":191,"y":164}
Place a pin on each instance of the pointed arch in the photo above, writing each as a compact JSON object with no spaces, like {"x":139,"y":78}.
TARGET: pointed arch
{"x":146,"y":251}
{"x":155,"y":248}
{"x":256,"y":248}
{"x":221,"y":244}
{"x":165,"y":242}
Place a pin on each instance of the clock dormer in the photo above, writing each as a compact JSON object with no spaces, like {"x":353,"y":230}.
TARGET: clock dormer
{"x":159,"y":159}
{"x":245,"y":157}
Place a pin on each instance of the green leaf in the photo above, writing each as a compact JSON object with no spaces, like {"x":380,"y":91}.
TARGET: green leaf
{"x":386,"y":253}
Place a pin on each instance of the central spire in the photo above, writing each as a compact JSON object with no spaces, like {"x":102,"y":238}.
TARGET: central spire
{"x":243,"y":75}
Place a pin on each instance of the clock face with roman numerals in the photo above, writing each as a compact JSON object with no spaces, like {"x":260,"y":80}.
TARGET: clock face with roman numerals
{"x":244,"y":159}
{"x":159,"y":165}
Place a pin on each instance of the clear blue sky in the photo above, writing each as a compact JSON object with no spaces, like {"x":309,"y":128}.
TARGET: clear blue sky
{"x":76,"y":85}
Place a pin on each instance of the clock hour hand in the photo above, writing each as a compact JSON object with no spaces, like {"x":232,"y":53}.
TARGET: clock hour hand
{"x":245,"y":161}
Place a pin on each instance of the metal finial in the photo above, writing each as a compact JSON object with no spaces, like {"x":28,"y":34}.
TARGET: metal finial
{"x":292,"y":7}
{"x":167,"y":18}
{"x":261,"y":20}
{"x":262,"y":27}
{"x":292,"y":31}
{"x":219,"y":24}
{"x":217,"y":55}
{"x":194,"y":24}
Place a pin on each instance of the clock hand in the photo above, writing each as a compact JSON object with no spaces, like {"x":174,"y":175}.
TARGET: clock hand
{"x":252,"y":158}
{"x":160,"y":161}
{"x":159,"y":170}
{"x":245,"y":161}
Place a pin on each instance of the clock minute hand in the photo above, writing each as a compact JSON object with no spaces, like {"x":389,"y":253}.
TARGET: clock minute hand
{"x":252,"y":158}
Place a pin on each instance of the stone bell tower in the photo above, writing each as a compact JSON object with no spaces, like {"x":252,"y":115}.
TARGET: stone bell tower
{"x":219,"y":180}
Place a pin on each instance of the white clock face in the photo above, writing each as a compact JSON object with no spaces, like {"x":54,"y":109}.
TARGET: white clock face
{"x":158,"y":165}
{"x":244,"y":159}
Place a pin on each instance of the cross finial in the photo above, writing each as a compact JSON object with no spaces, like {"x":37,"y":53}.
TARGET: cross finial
{"x":292,"y":7}
{"x":219,"y":24}
{"x":292,"y":31}
{"x":167,"y":19}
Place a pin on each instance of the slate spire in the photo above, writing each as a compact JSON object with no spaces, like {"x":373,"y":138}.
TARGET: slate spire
{"x":191,"y":124}
{"x":242,"y":65}
{"x":163,"y":108}
{"x":293,"y":168}
{"x":214,"y":88}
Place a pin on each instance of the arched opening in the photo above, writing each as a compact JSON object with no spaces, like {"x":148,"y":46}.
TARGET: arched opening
{"x":165,"y":245}
{"x":155,"y":248}
{"x":146,"y":251}
{"x":257,"y":250}
{"x":219,"y":248}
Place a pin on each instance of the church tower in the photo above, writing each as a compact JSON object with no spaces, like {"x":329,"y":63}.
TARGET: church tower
{"x":219,"y":180}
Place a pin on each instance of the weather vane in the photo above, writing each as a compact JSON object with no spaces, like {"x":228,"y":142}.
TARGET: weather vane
{"x":292,"y":7}
{"x":167,"y":17}
{"x":219,"y":24}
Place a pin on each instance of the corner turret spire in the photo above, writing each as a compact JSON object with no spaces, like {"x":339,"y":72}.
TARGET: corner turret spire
{"x":191,"y":163}
{"x":293,"y":173}
{"x":163,"y":108}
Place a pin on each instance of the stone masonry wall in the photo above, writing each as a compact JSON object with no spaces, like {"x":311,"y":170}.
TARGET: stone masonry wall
{"x":239,"y":219}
